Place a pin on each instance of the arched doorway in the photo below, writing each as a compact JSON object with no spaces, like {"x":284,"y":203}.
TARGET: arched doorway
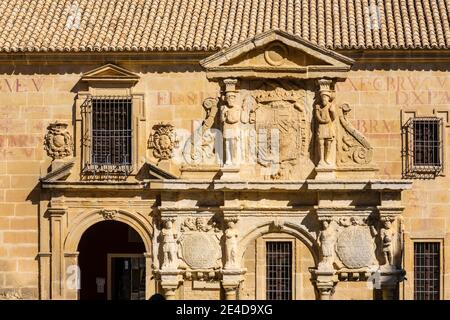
{"x":112,"y":262}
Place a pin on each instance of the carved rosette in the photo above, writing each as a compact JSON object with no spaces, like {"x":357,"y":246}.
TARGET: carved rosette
{"x":163,"y":141}
{"x":58,"y":141}
{"x":200,"y":244}
{"x":353,"y":148}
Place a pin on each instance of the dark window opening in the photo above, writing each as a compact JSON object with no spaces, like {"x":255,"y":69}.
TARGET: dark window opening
{"x":422,"y":147}
{"x":278,"y":270}
{"x":108,"y":135}
{"x":427,"y":270}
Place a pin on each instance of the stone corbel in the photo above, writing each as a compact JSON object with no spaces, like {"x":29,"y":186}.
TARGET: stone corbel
{"x":231,"y":280}
{"x":325,"y":282}
{"x":170,"y":280}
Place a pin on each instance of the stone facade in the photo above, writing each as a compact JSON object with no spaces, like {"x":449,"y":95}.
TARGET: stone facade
{"x":204,"y":207}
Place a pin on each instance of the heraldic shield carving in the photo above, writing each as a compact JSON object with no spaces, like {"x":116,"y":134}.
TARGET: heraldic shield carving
{"x":282,"y":128}
{"x":200,"y":247}
{"x":355,"y":247}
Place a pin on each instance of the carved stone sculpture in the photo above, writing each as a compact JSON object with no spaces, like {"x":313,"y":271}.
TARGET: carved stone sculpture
{"x":108,"y":214}
{"x":325,"y":115}
{"x":282,"y":128}
{"x":230,"y":117}
{"x":163,"y":141}
{"x":353,"y":148}
{"x":387,"y":236}
{"x":58,"y":141}
{"x":170,"y":246}
{"x":231,"y":245}
{"x":199,"y":241}
{"x":327,"y":241}
{"x":199,"y":148}
{"x":355,"y":246}
{"x":196,"y":224}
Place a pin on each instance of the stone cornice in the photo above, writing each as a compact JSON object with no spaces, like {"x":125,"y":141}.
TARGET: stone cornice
{"x":217,"y":185}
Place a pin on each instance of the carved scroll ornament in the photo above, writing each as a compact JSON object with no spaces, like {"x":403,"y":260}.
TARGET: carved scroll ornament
{"x":353,"y":147}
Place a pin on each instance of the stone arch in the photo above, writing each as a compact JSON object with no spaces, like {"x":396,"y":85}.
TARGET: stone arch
{"x":288,"y":228}
{"x":87,"y":219}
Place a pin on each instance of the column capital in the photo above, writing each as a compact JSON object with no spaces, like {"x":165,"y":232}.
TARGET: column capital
{"x":56,"y":212}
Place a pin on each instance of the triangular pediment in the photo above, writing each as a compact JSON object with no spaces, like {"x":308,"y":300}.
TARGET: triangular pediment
{"x":277,"y":54}
{"x":110,"y":72}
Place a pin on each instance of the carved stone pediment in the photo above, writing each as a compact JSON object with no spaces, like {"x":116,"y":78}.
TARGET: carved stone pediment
{"x":110,"y":73}
{"x":276,"y":54}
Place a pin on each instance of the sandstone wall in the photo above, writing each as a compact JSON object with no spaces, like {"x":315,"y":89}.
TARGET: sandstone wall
{"x":33,"y":96}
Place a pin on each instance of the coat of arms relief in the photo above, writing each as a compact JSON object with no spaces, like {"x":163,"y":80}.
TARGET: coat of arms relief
{"x":277,"y":130}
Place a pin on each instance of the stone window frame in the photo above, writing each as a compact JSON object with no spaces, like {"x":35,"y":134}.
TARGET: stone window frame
{"x":444,"y":115}
{"x":260,"y":268}
{"x":137,"y":124}
{"x":441,"y":242}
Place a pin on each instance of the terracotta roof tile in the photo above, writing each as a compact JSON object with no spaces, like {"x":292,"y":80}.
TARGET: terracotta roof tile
{"x":205,"y":25}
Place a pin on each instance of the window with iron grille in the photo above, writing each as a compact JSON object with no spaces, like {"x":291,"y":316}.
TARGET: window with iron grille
{"x":279,"y":270}
{"x":427,"y":270}
{"x":108,"y":134}
{"x":422,"y":147}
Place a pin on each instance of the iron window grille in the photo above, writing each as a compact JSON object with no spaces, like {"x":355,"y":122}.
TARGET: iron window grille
{"x":427,"y":270}
{"x":279,"y":270}
{"x":422,"y":149}
{"x":107,"y":136}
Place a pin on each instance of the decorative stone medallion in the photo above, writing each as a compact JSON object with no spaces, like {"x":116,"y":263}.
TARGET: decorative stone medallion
{"x":275,"y":54}
{"x":163,"y":141}
{"x":355,"y":247}
{"x":58,"y":141}
{"x":200,"y":250}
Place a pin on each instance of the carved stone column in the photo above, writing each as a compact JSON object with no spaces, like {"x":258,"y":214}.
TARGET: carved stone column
{"x":57,"y":236}
{"x":230,"y":291}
